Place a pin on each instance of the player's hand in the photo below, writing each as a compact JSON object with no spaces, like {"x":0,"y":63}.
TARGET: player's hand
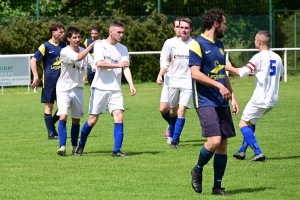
{"x":123,"y":64}
{"x":159,"y":79}
{"x":235,"y":106}
{"x":35,"y":83}
{"x":132,"y":91}
{"x":226,"y":94}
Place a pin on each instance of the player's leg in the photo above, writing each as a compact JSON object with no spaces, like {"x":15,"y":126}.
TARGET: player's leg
{"x":63,"y":104}
{"x":211,"y":130}
{"x":184,"y":100}
{"x":77,"y":112}
{"x":116,"y":108}
{"x":250,"y":116}
{"x":97,"y":105}
{"x":173,"y":96}
{"x":48,"y":97}
{"x":220,"y":157}
{"x":164,"y":106}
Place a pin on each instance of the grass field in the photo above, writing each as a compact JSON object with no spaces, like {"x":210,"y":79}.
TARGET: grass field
{"x":30,"y":168}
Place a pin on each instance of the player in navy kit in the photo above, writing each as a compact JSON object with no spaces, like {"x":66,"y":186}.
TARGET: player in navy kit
{"x":49,"y":53}
{"x":211,"y":92}
{"x":95,"y":35}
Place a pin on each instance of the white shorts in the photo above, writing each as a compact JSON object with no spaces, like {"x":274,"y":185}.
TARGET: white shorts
{"x":100,"y":100}
{"x":181,"y":96}
{"x":72,"y":99}
{"x":252,"y":113}
{"x":164,"y":92}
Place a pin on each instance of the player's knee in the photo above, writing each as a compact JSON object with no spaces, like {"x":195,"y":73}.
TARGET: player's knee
{"x":214,"y":142}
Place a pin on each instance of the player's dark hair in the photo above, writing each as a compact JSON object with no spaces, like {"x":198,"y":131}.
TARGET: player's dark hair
{"x":55,"y":26}
{"x":267,"y":35}
{"x":72,"y":30}
{"x":116,"y":23}
{"x":187,"y":20}
{"x":96,"y":28}
{"x":212,"y":15}
{"x":176,"y":19}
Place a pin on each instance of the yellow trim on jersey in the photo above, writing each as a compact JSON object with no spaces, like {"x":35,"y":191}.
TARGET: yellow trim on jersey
{"x":85,"y":43}
{"x":42,"y":49}
{"x":213,"y":41}
{"x":195,"y":47}
{"x":55,"y":44}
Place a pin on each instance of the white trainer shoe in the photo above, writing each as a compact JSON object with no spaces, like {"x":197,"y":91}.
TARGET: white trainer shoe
{"x":61,"y":151}
{"x":169,"y":140}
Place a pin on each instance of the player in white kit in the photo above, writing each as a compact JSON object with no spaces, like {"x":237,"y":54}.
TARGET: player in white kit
{"x":175,"y":58}
{"x":70,"y":87}
{"x":164,"y":99}
{"x":268,"y":70}
{"x":111,"y":58}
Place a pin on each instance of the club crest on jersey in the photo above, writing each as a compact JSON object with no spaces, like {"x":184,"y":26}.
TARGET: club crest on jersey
{"x":221,"y":50}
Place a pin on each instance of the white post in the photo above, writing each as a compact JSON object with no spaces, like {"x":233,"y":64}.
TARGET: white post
{"x":285,"y":66}
{"x":227,"y":58}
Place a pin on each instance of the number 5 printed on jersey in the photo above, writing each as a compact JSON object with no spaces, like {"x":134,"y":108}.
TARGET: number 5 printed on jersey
{"x":272,"y":67}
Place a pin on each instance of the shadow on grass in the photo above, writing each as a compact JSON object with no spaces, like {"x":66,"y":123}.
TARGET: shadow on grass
{"x":282,"y":158}
{"x":128,"y":153}
{"x":249,"y":190}
{"x":192,"y":142}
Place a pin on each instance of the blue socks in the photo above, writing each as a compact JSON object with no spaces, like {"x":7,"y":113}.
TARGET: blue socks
{"x":220,"y":162}
{"x":85,"y":131}
{"x":204,"y":157}
{"x":178,"y":129}
{"x":250,"y":138}
{"x":74,"y":134}
{"x":118,"y":136}
{"x":166,"y":116}
{"x":62,"y":132}
{"x":245,"y":144}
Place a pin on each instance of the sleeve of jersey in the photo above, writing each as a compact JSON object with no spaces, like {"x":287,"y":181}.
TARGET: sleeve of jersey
{"x":85,"y":44}
{"x":165,"y":56}
{"x":98,"y":53}
{"x":249,"y":68}
{"x":91,"y":62}
{"x":195,"y":54}
{"x":125,"y":55}
{"x":68,"y":56}
{"x":39,"y":54}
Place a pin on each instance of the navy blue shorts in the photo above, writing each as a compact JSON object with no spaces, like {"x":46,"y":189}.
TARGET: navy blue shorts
{"x":90,"y":76}
{"x":216,"y":121}
{"x":48,"y":95}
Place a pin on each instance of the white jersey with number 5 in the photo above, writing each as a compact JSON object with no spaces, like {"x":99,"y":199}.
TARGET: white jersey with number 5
{"x":267,"y":67}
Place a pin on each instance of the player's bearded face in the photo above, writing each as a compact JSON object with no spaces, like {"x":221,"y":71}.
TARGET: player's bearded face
{"x":220,"y":30}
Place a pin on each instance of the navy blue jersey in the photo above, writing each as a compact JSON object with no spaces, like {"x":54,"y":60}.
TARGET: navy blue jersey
{"x":49,"y":54}
{"x":209,"y":56}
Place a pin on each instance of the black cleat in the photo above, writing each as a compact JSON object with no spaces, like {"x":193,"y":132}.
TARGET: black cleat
{"x":240,"y":155}
{"x":174,"y":144}
{"x":196,"y":181}
{"x":220,"y":191}
{"x":118,"y":154}
{"x":258,"y":157}
{"x":79,"y":150}
{"x":51,"y":136}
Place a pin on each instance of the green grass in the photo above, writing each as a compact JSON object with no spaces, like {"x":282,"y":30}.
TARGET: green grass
{"x":30,"y":168}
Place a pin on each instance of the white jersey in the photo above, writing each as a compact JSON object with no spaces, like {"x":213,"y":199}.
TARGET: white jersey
{"x":175,"y":58}
{"x":267,"y":67}
{"x":109,"y":79}
{"x":72,"y":71}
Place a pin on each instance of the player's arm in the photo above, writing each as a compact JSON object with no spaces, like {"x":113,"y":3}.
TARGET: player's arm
{"x":242,"y":71}
{"x":234,"y":103}
{"x":205,"y":80}
{"x":128,"y":76}
{"x":33,"y":65}
{"x":164,"y":62}
{"x":81,"y":55}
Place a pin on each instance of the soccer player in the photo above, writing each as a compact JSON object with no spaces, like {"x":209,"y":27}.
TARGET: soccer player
{"x":211,"y":93}
{"x":164,"y":100}
{"x":175,"y":59}
{"x":49,"y":53}
{"x":111,"y":58}
{"x":70,"y":87}
{"x":268,"y":70}
{"x":95,"y":35}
